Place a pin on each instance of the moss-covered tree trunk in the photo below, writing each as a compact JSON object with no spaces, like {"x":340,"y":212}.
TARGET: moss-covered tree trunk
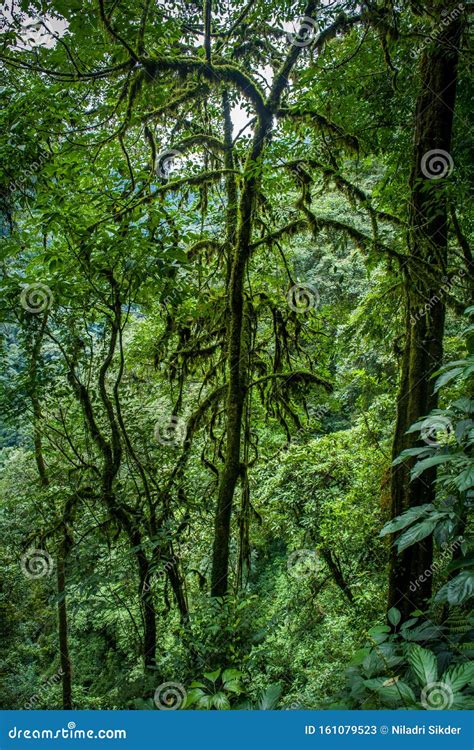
{"x":425,"y":306}
{"x":237,"y":367}
{"x":237,"y":359}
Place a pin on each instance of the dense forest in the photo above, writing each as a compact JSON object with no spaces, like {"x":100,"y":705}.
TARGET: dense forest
{"x":238,"y":355}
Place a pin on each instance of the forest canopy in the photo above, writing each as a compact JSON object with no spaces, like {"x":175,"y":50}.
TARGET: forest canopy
{"x":237,"y":337}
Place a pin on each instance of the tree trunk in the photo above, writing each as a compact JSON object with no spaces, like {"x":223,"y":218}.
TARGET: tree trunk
{"x":237,"y":368}
{"x":148,"y":613}
{"x":66,"y":671}
{"x":425,"y":307}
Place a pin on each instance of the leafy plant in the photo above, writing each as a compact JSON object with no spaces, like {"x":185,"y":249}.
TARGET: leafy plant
{"x":267,"y":700}
{"x":215,"y":690}
{"x":395,"y":671}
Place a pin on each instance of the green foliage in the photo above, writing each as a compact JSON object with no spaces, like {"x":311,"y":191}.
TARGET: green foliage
{"x":116,"y":417}
{"x":394,"y":671}
{"x":216,"y":690}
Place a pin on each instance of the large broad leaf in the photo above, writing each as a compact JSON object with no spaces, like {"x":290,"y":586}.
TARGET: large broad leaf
{"x":392,"y":691}
{"x":428,"y":463}
{"x":231,"y":680}
{"x":231,"y":674}
{"x":417,"y":532}
{"x":459,"y":676}
{"x":194,"y":696}
{"x":378,"y":630}
{"x":221,"y":701}
{"x":465,"y":404}
{"x":423,"y":664}
{"x":270,"y":697}
{"x":446,"y":377}
{"x":233,"y":686}
{"x":212,"y":676}
{"x":465,"y":480}
{"x":413,"y":452}
{"x":463,"y":703}
{"x":425,"y":632}
{"x":205,"y":702}
{"x":378,"y":660}
{"x":359,"y":656}
{"x":458,"y":590}
{"x":410,"y":516}
{"x":463,"y":562}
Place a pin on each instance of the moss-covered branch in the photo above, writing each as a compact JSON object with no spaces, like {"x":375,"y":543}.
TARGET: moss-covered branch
{"x":215,"y":73}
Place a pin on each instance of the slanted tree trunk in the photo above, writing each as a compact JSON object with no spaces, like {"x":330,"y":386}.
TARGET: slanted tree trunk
{"x":425,"y":306}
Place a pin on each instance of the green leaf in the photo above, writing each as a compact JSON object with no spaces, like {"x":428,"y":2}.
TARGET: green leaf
{"x":463,"y":702}
{"x":446,"y":377}
{"x":465,"y":480}
{"x":394,"y":616}
{"x":378,"y":629}
{"x":205,"y":701}
{"x":212,"y":676}
{"x":410,"y":452}
{"x":425,"y":632}
{"x":416,"y":533}
{"x":428,"y":463}
{"x":462,"y":562}
{"x":423,"y":664}
{"x":233,"y":686}
{"x":221,"y":701}
{"x":194,"y":696}
{"x":458,"y":590}
{"x":459,"y":676}
{"x":359,"y":656}
{"x":411,"y":515}
{"x":270,"y":696}
{"x":231,"y":674}
{"x":408,"y":624}
{"x":392,"y":690}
